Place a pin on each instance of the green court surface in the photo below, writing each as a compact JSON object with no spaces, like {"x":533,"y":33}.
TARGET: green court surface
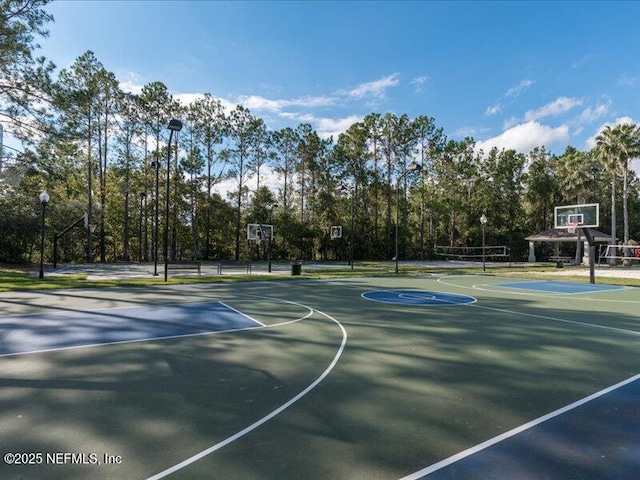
{"x":324,"y":384}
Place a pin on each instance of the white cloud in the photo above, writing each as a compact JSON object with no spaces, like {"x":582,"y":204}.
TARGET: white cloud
{"x":470,"y":131}
{"x":510,"y":122}
{"x":518,"y":89}
{"x":493,"y":109}
{"x":591,"y":141}
{"x":327,"y":127}
{"x":589,"y":114}
{"x":256,"y":102}
{"x":627,"y":80}
{"x":418,"y":82}
{"x":376,"y":88}
{"x":555,"y":108}
{"x":525,"y":137}
{"x":268,"y":178}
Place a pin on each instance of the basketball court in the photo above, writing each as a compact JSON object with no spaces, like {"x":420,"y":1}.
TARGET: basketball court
{"x":438,"y":377}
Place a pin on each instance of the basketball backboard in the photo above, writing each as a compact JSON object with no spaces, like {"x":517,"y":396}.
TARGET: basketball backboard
{"x":258,"y":231}
{"x":586,"y":215}
{"x":336,"y":231}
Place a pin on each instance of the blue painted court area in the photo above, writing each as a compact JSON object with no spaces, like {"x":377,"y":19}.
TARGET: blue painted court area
{"x":46,"y":331}
{"x":559,"y":287}
{"x":418,"y":297}
{"x":597,"y":440}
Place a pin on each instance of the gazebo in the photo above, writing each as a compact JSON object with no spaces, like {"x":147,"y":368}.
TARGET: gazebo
{"x":561,"y":235}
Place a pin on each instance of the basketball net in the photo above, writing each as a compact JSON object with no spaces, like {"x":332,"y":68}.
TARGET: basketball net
{"x":573,"y":227}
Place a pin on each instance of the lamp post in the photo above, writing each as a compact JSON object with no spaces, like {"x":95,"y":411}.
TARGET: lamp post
{"x":155,"y":164}
{"x":142,"y":198}
{"x":174,"y":126}
{"x":44,"y":199}
{"x":483,"y":222}
{"x":412,"y":167}
{"x":270,"y":239}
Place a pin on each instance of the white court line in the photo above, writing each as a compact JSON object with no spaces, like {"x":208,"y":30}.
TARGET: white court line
{"x":477,"y":448}
{"x":417,"y":297}
{"x":242,"y":314}
{"x":152,"y":339}
{"x":556,"y":319}
{"x":122,"y":342}
{"x":268,"y":417}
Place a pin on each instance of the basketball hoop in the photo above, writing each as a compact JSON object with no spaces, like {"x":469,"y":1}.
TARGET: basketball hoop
{"x":92,"y":227}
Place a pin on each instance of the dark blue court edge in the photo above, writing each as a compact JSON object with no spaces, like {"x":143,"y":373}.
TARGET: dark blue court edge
{"x":599,"y":440}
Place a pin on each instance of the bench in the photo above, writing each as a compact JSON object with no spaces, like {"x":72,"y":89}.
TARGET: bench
{"x":185,"y":266}
{"x":563,"y":259}
{"x":234,"y":265}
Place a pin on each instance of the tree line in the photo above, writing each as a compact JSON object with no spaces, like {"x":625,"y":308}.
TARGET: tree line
{"x":102,"y":151}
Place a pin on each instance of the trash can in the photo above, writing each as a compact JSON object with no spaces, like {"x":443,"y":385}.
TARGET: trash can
{"x":559,"y":264}
{"x":296,"y":268}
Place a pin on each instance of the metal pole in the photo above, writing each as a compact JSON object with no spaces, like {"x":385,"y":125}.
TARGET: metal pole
{"x":155,"y":227}
{"x":166,"y":210}
{"x":483,"y":264}
{"x":41,"y":275}
{"x":140,"y":236}
{"x":351,"y":235}
{"x":397,"y":216}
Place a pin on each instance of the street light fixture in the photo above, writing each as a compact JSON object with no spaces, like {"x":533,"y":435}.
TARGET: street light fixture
{"x":412,"y":167}
{"x":483,"y":222}
{"x":270,"y":239}
{"x":44,"y":199}
{"x":174,"y":126}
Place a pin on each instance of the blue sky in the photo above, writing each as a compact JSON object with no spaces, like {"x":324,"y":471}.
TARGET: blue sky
{"x":510,"y":74}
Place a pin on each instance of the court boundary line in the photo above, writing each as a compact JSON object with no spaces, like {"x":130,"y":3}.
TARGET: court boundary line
{"x":152,"y":339}
{"x":515,"y":431}
{"x":274,"y":413}
{"x":556,"y":319}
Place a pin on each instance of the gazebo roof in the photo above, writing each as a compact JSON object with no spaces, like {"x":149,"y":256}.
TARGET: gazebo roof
{"x":562,"y":235}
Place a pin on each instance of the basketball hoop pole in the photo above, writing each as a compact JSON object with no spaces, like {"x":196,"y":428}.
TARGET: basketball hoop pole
{"x":592,"y":255}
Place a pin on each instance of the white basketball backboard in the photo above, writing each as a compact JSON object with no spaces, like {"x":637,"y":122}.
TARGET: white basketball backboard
{"x":586,"y":215}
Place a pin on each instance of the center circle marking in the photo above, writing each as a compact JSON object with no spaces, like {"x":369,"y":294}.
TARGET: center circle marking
{"x":418,"y":297}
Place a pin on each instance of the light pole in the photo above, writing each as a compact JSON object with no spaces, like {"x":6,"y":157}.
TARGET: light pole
{"x":270,"y":239}
{"x":156,"y":165}
{"x":174,"y":126}
{"x":44,"y":199}
{"x":483,"y":222}
{"x":142,"y":197}
{"x":412,"y":167}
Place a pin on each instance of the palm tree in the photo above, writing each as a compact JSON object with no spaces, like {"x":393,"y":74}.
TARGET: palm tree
{"x":615,"y":146}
